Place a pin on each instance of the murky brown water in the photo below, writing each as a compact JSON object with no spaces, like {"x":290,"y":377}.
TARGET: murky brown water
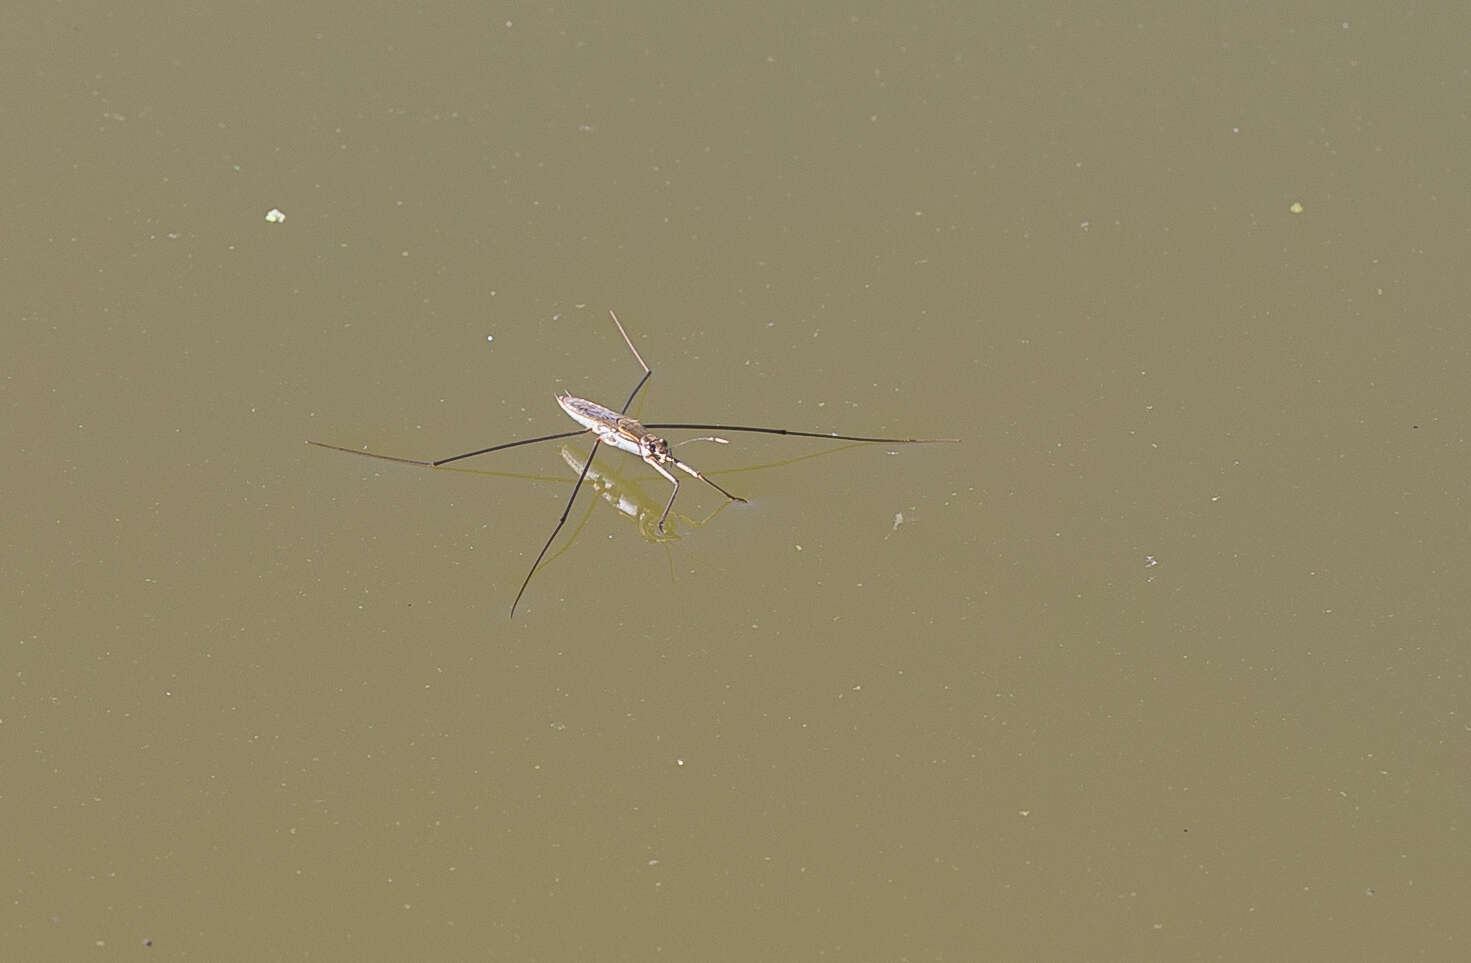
{"x":1165,"y":661}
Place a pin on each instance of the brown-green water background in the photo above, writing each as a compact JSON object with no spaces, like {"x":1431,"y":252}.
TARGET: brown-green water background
{"x":1168,"y":660}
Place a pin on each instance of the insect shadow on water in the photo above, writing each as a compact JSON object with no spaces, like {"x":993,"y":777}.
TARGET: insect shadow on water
{"x":616,"y":429}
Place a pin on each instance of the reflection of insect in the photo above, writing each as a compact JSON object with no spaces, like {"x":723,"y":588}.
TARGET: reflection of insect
{"x":629,"y":499}
{"x":615,"y":428}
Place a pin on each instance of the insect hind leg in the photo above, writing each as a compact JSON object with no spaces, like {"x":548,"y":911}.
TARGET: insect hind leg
{"x":648,"y":372}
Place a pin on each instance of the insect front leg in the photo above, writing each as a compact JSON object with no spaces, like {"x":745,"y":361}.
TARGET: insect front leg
{"x":649,"y":459}
{"x":688,"y":470}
